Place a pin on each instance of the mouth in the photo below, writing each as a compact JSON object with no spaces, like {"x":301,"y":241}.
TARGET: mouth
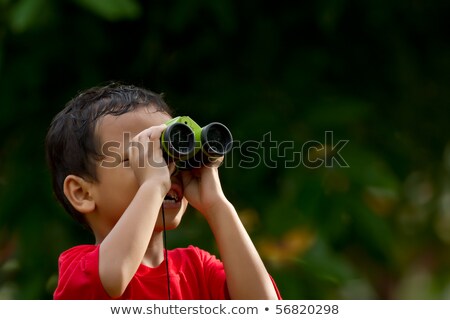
{"x":174,"y":196}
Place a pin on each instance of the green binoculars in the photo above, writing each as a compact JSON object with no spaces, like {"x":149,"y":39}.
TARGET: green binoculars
{"x":191,"y":146}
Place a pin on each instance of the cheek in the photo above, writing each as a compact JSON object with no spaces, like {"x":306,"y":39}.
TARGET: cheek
{"x":118,"y":188}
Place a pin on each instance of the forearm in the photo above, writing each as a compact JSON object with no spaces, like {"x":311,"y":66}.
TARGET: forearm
{"x":247,"y":277}
{"x":122,"y":251}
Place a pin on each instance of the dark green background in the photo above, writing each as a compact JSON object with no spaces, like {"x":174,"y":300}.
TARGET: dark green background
{"x":375,"y":72}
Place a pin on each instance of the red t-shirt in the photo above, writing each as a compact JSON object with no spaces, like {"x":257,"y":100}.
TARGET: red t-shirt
{"x":194,"y":275}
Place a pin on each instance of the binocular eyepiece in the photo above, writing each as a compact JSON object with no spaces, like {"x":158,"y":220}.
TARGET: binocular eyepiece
{"x":191,"y":146}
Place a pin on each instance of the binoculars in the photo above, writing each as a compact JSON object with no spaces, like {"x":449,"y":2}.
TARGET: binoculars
{"x":191,"y":146}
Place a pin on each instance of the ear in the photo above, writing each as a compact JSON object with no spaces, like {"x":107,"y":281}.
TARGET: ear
{"x":78,"y":192}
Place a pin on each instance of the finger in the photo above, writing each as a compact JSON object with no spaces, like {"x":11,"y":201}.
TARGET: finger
{"x":215,"y":163}
{"x":156,"y":131}
{"x":152,"y":133}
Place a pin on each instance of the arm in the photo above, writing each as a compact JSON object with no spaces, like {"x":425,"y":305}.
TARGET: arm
{"x":123,"y":249}
{"x":247,"y":277}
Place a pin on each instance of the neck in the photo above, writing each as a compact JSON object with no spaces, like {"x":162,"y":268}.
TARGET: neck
{"x":154,"y":255}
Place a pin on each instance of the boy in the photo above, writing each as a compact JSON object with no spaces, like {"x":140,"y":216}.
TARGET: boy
{"x":121,"y":199}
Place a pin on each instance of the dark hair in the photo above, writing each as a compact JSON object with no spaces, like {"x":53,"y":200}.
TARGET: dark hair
{"x":71,"y":145}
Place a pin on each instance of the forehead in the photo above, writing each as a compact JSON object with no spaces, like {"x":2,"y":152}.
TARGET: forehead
{"x":115,"y":128}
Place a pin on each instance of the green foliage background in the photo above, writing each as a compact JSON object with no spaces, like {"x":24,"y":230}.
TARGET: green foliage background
{"x":376,"y":73}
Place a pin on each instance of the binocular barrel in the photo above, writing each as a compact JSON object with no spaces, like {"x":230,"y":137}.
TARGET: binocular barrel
{"x":191,"y":146}
{"x":216,"y":140}
{"x":178,"y":141}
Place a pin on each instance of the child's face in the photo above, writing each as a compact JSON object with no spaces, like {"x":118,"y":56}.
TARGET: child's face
{"x":117,"y":184}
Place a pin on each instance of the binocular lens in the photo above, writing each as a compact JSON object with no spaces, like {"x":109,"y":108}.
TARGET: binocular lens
{"x":180,"y":140}
{"x":216,"y":139}
{"x":192,"y":146}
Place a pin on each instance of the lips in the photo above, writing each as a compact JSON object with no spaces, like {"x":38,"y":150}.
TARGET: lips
{"x":171,"y":196}
{"x":174,"y":196}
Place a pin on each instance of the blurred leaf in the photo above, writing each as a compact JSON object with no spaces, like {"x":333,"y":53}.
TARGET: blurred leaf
{"x":322,"y":263}
{"x":24,"y":14}
{"x":113,"y":10}
{"x":284,"y":251}
{"x":368,"y":168}
{"x":373,"y":232}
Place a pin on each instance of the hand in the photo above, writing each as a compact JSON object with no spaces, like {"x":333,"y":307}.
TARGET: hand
{"x":146,"y":158}
{"x":202,"y":189}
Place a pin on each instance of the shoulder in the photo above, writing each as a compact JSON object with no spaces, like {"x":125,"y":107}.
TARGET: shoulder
{"x":78,"y":260}
{"x":191,"y":252}
{"x":78,"y":274}
{"x":77,"y":253}
{"x":80,"y":249}
{"x":194,"y":257}
{"x":205,"y":271}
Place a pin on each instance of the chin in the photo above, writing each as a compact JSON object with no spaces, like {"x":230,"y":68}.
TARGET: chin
{"x":171,"y":224}
{"x":173,"y":213}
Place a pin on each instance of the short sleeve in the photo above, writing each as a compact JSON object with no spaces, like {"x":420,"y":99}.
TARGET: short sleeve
{"x":78,"y":275}
{"x":214,"y":274}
